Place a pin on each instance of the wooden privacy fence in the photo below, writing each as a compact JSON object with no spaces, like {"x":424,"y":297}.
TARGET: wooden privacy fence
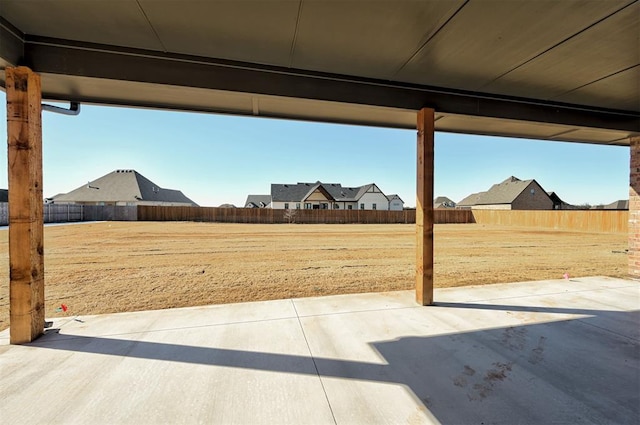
{"x":272,"y":216}
{"x":110,"y":213}
{"x":61,"y":213}
{"x":579,"y":220}
{"x":51,"y":213}
{"x":576,"y":220}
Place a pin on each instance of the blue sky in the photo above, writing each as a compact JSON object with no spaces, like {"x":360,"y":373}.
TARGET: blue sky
{"x":217,"y":159}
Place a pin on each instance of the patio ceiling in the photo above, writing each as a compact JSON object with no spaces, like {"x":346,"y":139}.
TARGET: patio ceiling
{"x":566,"y":70}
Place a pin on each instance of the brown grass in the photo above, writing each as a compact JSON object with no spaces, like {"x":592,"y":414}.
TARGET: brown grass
{"x":116,"y":266}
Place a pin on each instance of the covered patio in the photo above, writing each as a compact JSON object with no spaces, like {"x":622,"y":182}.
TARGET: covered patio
{"x":559,"y":70}
{"x":536,"y":352}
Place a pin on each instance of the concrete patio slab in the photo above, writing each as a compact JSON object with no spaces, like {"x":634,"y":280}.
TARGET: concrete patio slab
{"x":564,"y":351}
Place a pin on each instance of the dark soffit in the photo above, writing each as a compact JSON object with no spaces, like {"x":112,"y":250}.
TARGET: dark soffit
{"x":533,"y":69}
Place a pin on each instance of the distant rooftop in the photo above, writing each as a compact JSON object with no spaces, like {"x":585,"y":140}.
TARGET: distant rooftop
{"x":300,"y":191}
{"x":504,"y":192}
{"x":123,"y":186}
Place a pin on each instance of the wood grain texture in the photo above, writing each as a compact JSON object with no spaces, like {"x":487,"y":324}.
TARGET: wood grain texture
{"x":26,"y":250}
{"x":424,"y":207}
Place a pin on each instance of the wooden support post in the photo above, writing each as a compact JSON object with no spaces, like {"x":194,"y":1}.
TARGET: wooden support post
{"x":424,"y":208}
{"x":26,"y":231}
{"x":634,"y":208}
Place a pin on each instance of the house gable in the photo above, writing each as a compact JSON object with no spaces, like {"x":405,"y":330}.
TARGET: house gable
{"x":533,"y":197}
{"x":395,"y":202}
{"x":318,"y":193}
{"x":370,"y":197}
{"x":297,"y":192}
{"x":367,"y":188}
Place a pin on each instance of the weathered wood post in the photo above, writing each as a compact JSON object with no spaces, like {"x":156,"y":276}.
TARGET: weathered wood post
{"x":424,"y":207}
{"x":26,"y":231}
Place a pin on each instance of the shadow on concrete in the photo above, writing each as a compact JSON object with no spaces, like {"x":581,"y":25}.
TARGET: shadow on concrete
{"x":584,"y":370}
{"x":527,"y":309}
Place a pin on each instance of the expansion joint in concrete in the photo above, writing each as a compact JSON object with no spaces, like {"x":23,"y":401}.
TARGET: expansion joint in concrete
{"x":315,"y":365}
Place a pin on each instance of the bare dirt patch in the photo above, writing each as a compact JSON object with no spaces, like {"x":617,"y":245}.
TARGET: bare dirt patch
{"x":115,"y":266}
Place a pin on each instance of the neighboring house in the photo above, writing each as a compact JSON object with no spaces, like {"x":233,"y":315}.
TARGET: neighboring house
{"x":511,"y":194}
{"x":395,"y":203}
{"x":324,"y":196}
{"x":258,"y":201}
{"x":370,"y":197}
{"x":123,"y":187}
{"x":442,"y":202}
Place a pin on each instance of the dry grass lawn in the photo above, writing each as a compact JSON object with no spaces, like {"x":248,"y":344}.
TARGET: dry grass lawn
{"x":116,"y":266}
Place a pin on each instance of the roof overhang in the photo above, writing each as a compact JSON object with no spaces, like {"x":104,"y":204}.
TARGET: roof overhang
{"x":111,"y":74}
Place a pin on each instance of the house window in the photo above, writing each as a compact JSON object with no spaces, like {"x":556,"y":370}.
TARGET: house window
{"x":286,"y":205}
{"x":324,"y":206}
{"x":298,"y":206}
{"x":349,"y":207}
{"x":361,"y":206}
{"x":307,"y":205}
{"x":374,"y":206}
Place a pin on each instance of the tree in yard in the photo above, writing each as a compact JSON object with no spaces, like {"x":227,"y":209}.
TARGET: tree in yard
{"x":290,"y":216}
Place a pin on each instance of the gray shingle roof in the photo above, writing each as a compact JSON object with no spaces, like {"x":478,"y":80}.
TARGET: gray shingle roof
{"x":347,"y":194}
{"x":300,"y":191}
{"x":257,"y":201}
{"x":443,"y":202}
{"x":344,"y":194}
{"x":123,"y":186}
{"x":470,"y":200}
{"x":504,"y":192}
{"x":290,"y":192}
